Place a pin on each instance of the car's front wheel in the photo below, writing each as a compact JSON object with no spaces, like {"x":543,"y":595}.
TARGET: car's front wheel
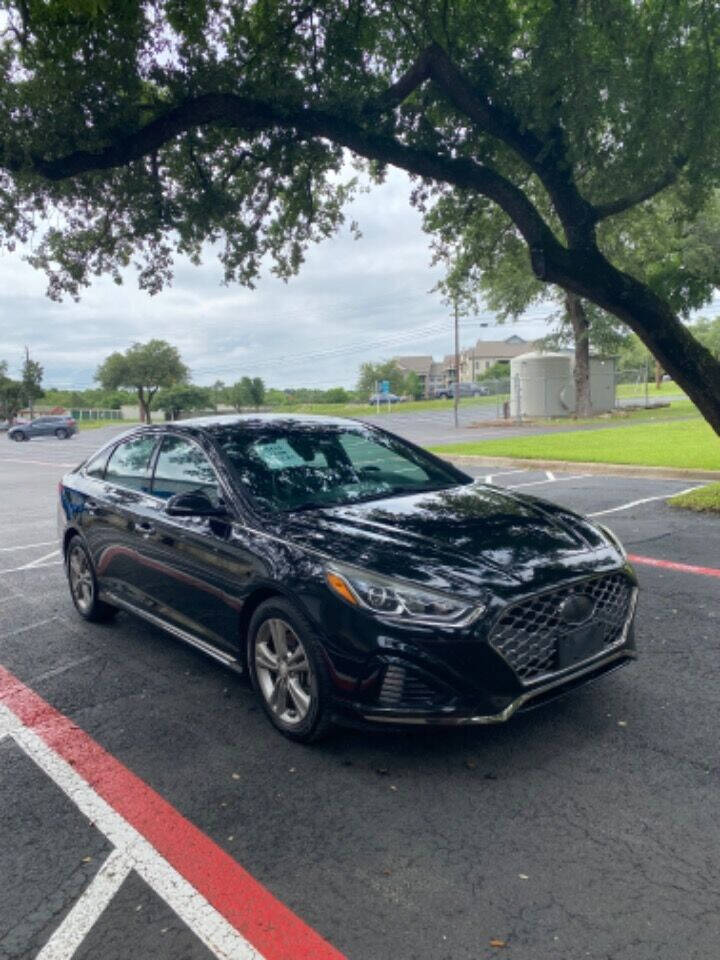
{"x":288,"y":670}
{"x":19,"y":436}
{"x":83,"y":584}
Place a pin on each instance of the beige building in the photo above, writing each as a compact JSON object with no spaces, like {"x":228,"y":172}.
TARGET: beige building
{"x":430,"y":372}
{"x":475,"y":361}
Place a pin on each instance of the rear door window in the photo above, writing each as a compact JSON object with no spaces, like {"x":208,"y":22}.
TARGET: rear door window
{"x":129,"y":464}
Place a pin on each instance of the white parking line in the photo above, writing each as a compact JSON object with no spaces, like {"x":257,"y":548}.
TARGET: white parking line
{"x":536,"y":483}
{"x":637,"y":503}
{"x":27,"y":546}
{"x":35,"y":564}
{"x":131,"y":850}
{"x":40,"y":463}
{"x":502,"y":473}
{"x":78,"y":923}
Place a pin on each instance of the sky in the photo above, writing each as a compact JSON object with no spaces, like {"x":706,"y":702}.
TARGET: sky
{"x":353,"y":301}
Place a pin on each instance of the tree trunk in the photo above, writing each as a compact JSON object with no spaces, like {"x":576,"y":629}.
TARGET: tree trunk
{"x":690,"y":364}
{"x":581,"y":335}
{"x":144,"y":404}
{"x":658,"y":375}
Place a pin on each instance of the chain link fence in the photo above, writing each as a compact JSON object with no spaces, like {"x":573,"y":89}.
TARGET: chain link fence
{"x":91,"y":413}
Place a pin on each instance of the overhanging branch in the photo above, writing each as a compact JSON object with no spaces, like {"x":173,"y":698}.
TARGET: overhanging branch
{"x":546,"y":157}
{"x":613,"y":207}
{"x":250,"y":115}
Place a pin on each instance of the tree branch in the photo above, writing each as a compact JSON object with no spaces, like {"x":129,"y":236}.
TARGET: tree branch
{"x":546,"y":157}
{"x":250,"y":115}
{"x":613,"y":207}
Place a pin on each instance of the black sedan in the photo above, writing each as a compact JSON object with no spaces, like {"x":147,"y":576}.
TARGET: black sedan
{"x":352,"y":575}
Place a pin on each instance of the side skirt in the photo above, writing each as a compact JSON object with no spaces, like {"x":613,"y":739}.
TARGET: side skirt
{"x":207,"y":648}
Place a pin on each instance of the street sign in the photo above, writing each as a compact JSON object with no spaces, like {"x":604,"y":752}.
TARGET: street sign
{"x":384,"y":386}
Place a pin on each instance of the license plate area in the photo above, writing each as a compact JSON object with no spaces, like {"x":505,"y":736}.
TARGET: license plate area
{"x":580,"y":644}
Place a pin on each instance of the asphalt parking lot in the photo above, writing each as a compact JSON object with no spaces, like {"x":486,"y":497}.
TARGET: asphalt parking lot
{"x":585,"y":829}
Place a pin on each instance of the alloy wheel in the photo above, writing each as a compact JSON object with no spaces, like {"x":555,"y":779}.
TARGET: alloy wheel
{"x":81,"y":579}
{"x":283,"y":671}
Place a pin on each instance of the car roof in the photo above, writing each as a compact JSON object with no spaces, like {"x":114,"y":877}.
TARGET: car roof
{"x":255,"y":421}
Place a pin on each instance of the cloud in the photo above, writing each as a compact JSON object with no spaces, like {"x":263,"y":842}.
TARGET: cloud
{"x":354,"y":300}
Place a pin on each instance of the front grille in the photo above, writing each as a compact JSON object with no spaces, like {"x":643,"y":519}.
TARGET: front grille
{"x":400,"y":687}
{"x":527,"y":634}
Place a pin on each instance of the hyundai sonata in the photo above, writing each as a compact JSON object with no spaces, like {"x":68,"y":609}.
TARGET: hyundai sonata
{"x":353,"y":576}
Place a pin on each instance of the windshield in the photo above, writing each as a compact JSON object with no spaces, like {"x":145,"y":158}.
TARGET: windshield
{"x":300,"y":467}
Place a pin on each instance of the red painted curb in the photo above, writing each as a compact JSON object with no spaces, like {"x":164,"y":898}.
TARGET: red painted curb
{"x":269,"y":926}
{"x":671,"y":565}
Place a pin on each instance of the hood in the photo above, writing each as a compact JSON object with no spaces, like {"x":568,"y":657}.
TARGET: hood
{"x":461,"y":538}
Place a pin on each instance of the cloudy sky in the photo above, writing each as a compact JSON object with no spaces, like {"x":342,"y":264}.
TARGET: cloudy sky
{"x":354,"y":300}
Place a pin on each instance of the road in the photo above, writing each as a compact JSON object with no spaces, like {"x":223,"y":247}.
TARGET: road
{"x":585,"y":829}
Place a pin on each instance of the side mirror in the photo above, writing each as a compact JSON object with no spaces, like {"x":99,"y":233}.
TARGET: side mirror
{"x":195,"y":503}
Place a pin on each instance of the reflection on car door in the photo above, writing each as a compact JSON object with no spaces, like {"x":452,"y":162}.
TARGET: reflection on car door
{"x":198,"y":575}
{"x":118,"y":520}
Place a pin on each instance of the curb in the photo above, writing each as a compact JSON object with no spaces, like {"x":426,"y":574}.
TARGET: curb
{"x":619,"y":469}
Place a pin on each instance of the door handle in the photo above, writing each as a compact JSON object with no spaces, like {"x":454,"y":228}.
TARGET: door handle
{"x":92,"y":507}
{"x":145,"y":528}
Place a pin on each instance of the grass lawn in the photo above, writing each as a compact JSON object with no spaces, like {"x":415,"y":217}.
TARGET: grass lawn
{"x":706,"y":500}
{"x":681,"y":407}
{"x":94,"y":424}
{"x":365,"y":410}
{"x":691,"y":444}
{"x":638,"y":390}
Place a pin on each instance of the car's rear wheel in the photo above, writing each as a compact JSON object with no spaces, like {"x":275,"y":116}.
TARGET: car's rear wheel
{"x":83,"y":584}
{"x":287,"y":668}
{"x":61,"y":433}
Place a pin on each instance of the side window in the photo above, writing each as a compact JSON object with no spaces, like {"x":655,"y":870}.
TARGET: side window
{"x":129,"y":464}
{"x":181,"y":467}
{"x":96,"y":466}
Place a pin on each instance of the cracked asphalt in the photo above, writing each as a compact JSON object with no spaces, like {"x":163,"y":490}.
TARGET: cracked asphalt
{"x":588,"y":828}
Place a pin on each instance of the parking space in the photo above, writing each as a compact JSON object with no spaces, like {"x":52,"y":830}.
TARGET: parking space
{"x":585,"y":829}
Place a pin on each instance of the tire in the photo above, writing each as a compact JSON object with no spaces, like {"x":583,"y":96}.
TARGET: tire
{"x":83,"y":584}
{"x":276,"y":623}
{"x":19,"y":437}
{"x":61,"y":433}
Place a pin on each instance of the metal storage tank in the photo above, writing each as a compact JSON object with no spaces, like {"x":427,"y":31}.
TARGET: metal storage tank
{"x":602,"y":384}
{"x":541,"y":385}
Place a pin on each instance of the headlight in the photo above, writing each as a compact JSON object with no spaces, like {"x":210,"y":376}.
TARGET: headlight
{"x":398,"y":600}
{"x":613,"y":540}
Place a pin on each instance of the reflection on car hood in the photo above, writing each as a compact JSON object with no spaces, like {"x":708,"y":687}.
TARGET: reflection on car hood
{"x":467,"y":535}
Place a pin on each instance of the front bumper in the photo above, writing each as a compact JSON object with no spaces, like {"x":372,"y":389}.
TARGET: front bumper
{"x":496,"y":707}
{"x":526,"y":701}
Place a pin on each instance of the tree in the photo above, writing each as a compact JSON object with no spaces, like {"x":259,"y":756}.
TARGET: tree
{"x":678,"y":258}
{"x":372,"y":374}
{"x":32,"y":374}
{"x":145,"y":368}
{"x":708,"y":333}
{"x":11,"y":394}
{"x":413,"y":386}
{"x":181,"y":398}
{"x":247,"y":393}
{"x":146,"y":129}
{"x":336,"y":395}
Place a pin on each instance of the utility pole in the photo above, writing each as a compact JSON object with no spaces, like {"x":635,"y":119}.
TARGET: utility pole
{"x":457,"y":364}
{"x":26,"y":370}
